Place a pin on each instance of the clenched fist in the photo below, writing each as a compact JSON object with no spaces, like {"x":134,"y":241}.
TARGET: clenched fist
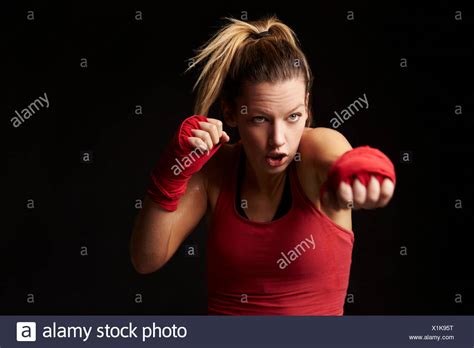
{"x":358,"y":196}
{"x":209,"y":135}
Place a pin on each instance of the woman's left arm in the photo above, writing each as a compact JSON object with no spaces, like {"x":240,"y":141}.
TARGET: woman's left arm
{"x":360,"y":178}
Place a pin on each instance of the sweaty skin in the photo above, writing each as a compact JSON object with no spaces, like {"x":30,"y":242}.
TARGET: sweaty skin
{"x":271,"y":118}
{"x":274,"y":120}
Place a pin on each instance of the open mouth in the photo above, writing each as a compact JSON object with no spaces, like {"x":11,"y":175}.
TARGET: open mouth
{"x":275,"y":160}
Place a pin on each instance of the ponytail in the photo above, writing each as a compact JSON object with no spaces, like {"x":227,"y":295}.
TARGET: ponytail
{"x":237,"y":53}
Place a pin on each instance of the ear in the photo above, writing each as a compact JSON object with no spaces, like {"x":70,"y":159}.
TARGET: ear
{"x":229,"y":115}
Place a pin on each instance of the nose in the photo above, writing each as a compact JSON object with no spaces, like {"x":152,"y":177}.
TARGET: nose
{"x":277,"y":136}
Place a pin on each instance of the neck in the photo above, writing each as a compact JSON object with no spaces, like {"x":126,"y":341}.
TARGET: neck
{"x":263,"y":183}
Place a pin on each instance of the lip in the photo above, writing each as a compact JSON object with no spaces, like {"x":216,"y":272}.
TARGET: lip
{"x":276,"y":162}
{"x":276,"y":153}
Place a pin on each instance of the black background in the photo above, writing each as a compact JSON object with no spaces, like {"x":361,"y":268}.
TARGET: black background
{"x":142,"y":63}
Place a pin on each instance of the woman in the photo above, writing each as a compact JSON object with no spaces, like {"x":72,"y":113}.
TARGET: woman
{"x":278,"y":201}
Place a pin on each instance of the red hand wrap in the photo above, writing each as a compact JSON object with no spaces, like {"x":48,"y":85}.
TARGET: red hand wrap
{"x":360,"y":163}
{"x":179,"y":161}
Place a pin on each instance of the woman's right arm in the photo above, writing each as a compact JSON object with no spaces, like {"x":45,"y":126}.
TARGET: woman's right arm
{"x":177,"y":199}
{"x":158,"y":233}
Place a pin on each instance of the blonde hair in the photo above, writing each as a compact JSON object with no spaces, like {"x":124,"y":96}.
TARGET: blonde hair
{"x":236,"y":54}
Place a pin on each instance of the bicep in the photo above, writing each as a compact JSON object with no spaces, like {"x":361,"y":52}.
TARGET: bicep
{"x":158,"y":233}
{"x":191,"y":209}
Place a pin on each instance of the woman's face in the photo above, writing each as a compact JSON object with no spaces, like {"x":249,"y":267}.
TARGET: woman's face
{"x":271,"y":119}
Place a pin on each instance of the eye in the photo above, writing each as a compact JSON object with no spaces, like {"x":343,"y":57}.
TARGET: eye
{"x":295,"y":118}
{"x":258,"y":119}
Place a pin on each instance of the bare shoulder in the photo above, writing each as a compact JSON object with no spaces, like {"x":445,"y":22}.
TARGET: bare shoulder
{"x":324,"y":140}
{"x":322,"y":147}
{"x":215,"y":170}
{"x":319,"y":148}
{"x":219,"y":161}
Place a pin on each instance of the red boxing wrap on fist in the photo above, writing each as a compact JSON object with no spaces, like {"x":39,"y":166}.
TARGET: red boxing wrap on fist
{"x":177,"y":164}
{"x":360,"y":162}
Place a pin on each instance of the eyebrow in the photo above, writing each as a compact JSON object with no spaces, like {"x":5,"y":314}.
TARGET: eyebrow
{"x":261,"y":111}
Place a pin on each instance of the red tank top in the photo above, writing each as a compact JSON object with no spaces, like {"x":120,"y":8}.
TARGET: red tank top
{"x":298,"y":264}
